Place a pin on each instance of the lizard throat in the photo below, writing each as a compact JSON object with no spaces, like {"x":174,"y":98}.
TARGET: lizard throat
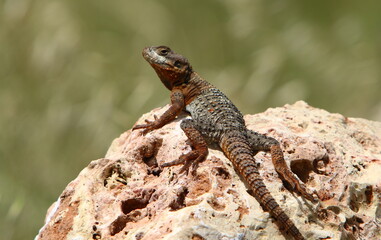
{"x":171,"y":78}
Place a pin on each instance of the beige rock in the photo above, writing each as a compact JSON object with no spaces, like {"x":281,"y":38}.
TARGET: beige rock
{"x":127,"y":196}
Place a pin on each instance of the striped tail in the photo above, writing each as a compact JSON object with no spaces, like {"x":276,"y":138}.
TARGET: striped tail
{"x":235,"y":146}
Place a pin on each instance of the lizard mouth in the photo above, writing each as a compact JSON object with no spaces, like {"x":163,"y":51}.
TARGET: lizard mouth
{"x":152,"y":57}
{"x":147,"y":54}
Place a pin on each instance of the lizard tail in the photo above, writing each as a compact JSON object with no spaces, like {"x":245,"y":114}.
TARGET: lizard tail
{"x":238,"y":150}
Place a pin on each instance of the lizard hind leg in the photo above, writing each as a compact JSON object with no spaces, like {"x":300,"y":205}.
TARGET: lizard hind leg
{"x":199,"y":149}
{"x":261,"y":142}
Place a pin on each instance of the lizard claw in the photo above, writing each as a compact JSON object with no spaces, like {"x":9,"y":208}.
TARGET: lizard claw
{"x":299,"y":187}
{"x":190,"y":161}
{"x":148,"y":126}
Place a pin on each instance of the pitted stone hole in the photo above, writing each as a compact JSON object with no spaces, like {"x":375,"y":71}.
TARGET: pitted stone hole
{"x":353,"y":224}
{"x":154,"y":171}
{"x":139,"y":235}
{"x":96,"y":233}
{"x":359,"y":194}
{"x":334,"y":209}
{"x":179,"y":201}
{"x":368,"y":194}
{"x":132,"y":204}
{"x":222,"y":172}
{"x":113,"y":175}
{"x":119,"y":224}
{"x":196,"y":236}
{"x":121,"y":221}
{"x":302,"y":169}
{"x":148,"y":153}
{"x":97,"y":236}
{"x":131,"y":211}
{"x":320,"y":164}
{"x":215,"y":204}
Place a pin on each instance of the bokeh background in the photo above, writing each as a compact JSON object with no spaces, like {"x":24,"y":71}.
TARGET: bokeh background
{"x":72,"y":77}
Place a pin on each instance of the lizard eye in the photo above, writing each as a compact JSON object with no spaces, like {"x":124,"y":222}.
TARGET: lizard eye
{"x":164,"y":52}
{"x":178,"y":64}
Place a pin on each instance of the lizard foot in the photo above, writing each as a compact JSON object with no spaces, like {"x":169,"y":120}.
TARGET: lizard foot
{"x":190,"y":160}
{"x":297,"y":186}
{"x":285,"y":173}
{"x":148,"y":126}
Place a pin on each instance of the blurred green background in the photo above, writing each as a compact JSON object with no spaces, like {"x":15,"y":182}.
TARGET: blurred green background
{"x":72,"y":77}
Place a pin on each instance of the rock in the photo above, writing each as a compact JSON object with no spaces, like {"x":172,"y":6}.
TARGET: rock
{"x":127,"y":196}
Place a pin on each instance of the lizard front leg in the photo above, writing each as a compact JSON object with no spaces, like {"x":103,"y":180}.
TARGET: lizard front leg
{"x":177,"y":105}
{"x":260,"y":142}
{"x":199,"y":148}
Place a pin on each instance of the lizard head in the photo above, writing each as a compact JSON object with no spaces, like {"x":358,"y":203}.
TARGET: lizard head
{"x":172,"y":68}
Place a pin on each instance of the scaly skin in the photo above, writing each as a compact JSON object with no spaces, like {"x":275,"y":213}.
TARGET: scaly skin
{"x":215,"y":119}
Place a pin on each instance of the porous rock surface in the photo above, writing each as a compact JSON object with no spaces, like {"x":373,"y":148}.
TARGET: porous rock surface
{"x":126,"y":195}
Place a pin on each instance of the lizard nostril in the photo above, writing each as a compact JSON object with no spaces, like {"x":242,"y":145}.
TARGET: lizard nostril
{"x":178,"y":64}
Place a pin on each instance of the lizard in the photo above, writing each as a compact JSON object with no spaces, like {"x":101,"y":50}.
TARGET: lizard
{"x":215,"y":119}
